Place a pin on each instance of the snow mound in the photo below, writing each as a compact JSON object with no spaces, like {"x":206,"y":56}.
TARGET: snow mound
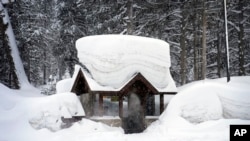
{"x":39,"y":112}
{"x":64,"y":85}
{"x":60,"y":105}
{"x":202,"y":108}
{"x":235,"y":98}
{"x":112,"y":60}
{"x":211,"y":100}
{"x":196,"y":104}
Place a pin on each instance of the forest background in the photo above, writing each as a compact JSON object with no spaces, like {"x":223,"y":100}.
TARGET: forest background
{"x":46,"y":31}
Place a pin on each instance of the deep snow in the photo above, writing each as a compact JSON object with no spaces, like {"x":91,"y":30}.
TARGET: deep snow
{"x":112,"y":60}
{"x":202,"y":110}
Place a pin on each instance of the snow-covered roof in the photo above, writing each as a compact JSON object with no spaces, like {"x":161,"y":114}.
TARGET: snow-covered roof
{"x":113,"y":60}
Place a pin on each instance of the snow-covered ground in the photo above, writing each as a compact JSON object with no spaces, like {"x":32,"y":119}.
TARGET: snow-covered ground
{"x":202,"y":110}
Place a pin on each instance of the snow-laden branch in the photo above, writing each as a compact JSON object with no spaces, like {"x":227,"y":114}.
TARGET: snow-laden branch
{"x":7,"y":1}
{"x":234,"y":25}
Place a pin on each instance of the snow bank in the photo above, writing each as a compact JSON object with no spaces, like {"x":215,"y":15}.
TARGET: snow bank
{"x":40,"y":112}
{"x":211,"y":100}
{"x":60,"y":105}
{"x":197,"y":103}
{"x":113,"y":59}
{"x":64,"y":85}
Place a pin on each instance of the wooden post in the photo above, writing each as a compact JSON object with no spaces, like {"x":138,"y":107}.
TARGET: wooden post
{"x":100,"y":105}
{"x":144,"y":104}
{"x":161,"y":103}
{"x":90,"y":111}
{"x":121,"y":106}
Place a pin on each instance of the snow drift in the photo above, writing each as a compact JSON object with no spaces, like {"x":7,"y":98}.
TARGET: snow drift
{"x":40,"y":112}
{"x":211,"y":100}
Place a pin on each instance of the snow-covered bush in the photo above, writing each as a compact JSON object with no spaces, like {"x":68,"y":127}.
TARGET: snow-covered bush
{"x":49,"y":112}
{"x":47,"y":119}
{"x":48,"y":89}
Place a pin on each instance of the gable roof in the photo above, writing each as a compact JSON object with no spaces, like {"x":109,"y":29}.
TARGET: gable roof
{"x":141,"y":78}
{"x":80,"y":84}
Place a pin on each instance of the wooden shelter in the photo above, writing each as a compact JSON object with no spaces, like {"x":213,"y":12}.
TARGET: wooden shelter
{"x":130,"y":69}
{"x":138,"y":85}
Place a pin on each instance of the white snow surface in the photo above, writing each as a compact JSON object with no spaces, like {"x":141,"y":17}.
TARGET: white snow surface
{"x":202,"y":110}
{"x":64,"y":85}
{"x":113,"y":60}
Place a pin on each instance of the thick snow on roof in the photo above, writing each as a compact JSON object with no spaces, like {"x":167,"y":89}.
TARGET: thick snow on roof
{"x":113,"y":60}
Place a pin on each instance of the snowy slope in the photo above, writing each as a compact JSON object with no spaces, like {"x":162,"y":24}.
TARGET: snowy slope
{"x":112,"y":60}
{"x":202,"y":110}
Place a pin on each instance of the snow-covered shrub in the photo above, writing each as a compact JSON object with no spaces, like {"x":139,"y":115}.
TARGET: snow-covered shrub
{"x":48,"y":89}
{"x":46,"y":119}
{"x":49,"y":112}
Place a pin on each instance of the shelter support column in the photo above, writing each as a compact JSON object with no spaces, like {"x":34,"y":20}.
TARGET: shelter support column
{"x":90,"y":111}
{"x":121,"y":106}
{"x":100,"y":105}
{"x":144,"y":105}
{"x":161,"y":103}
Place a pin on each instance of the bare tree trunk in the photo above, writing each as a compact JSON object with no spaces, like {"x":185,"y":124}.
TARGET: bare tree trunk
{"x":219,"y":44}
{"x":241,"y":39}
{"x":44,"y":67}
{"x":130,"y":17}
{"x":195,"y":70}
{"x":183,"y":50}
{"x":204,"y":44}
{"x":28,"y":69}
{"x":218,"y":55}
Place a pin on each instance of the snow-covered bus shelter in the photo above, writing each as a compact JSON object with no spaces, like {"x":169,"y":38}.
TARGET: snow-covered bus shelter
{"x":119,"y":66}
